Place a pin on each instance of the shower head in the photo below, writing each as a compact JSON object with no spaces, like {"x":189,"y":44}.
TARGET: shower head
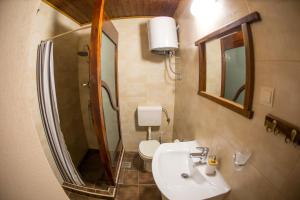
{"x":83,"y":53}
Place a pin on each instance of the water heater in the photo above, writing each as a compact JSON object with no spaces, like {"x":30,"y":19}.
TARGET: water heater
{"x":162,"y":34}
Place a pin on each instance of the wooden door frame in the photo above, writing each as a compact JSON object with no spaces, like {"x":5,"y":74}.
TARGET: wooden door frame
{"x":96,"y":87}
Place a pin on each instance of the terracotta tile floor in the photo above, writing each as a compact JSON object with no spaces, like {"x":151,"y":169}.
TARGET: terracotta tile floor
{"x":134,"y":182}
{"x":75,"y":196}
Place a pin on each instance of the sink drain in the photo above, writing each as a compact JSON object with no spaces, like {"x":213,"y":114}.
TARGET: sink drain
{"x":185,"y":175}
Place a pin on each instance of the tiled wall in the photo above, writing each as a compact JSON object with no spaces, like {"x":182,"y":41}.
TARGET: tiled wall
{"x":274,"y":168}
{"x":143,"y":80}
{"x":83,"y":76}
{"x":68,"y":97}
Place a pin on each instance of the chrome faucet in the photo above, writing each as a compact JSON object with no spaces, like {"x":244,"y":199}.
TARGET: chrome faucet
{"x":202,"y":155}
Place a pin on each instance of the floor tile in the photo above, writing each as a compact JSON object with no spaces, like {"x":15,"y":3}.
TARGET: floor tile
{"x":75,"y":196}
{"x":67,"y":192}
{"x":146,"y":178}
{"x":94,"y":198}
{"x":127,"y":192}
{"x":121,"y":176}
{"x":130,"y":177}
{"x":149,"y":192}
{"x":135,"y":160}
{"x":128,"y":155}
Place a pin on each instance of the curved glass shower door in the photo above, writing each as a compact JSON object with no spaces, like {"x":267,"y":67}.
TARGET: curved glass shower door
{"x":110,"y":98}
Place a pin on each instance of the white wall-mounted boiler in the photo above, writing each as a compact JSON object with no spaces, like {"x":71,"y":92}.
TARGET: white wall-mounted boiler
{"x":162,"y":34}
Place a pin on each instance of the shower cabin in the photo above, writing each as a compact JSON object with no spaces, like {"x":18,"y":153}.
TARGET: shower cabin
{"x":104,"y":139}
{"x":86,"y":82}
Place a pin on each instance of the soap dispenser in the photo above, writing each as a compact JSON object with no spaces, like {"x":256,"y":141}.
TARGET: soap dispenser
{"x":211,"y":165}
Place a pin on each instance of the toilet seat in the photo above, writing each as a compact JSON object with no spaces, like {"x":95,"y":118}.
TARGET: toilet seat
{"x":147,"y":148}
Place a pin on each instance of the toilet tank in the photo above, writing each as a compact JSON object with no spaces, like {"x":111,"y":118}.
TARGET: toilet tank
{"x":149,"y":115}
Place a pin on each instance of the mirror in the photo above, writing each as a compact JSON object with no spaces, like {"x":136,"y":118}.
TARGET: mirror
{"x":227,"y":66}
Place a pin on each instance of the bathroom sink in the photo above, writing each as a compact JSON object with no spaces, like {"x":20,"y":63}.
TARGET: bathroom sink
{"x":171,"y":160}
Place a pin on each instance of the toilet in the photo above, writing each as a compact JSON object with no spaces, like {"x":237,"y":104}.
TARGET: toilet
{"x":148,"y":116}
{"x":147,"y":149}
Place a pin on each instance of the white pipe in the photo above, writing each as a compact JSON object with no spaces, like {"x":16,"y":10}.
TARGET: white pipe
{"x":149,"y":133}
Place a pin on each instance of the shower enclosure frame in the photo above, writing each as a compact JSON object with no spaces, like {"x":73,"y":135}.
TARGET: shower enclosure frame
{"x":110,"y":31}
{"x":101,"y":23}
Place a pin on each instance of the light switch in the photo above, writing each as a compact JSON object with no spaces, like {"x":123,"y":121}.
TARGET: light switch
{"x":267,"y":96}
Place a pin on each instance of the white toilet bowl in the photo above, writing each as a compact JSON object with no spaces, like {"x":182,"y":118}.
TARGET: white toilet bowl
{"x":146,"y":150}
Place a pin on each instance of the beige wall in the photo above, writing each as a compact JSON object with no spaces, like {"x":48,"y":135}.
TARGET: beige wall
{"x":143,"y":80}
{"x":274,"y":168}
{"x":25,"y":172}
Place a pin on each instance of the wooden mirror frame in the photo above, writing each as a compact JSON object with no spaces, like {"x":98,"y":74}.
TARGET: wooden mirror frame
{"x":242,"y":24}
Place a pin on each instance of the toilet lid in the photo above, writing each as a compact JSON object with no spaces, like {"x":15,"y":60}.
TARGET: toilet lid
{"x":147,"y":148}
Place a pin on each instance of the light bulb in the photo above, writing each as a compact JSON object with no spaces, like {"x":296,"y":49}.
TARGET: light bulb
{"x":205,"y":8}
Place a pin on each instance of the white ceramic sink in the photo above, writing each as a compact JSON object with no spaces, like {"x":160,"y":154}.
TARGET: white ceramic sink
{"x":171,"y":160}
